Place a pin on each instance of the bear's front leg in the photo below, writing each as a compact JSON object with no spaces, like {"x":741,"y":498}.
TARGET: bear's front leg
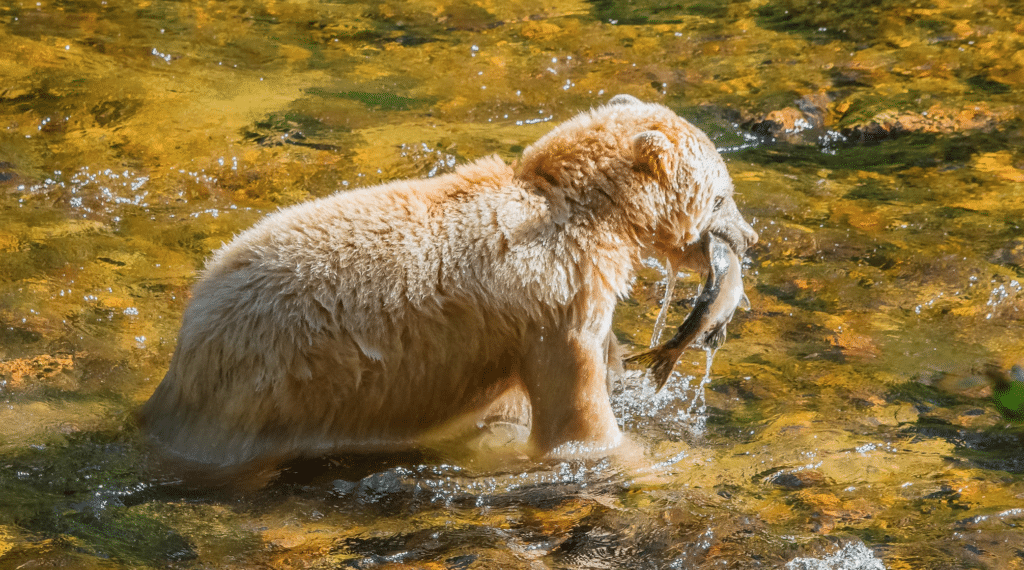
{"x":565,"y":373}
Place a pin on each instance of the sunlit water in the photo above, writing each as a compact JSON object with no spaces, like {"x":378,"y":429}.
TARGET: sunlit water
{"x":856,"y":417}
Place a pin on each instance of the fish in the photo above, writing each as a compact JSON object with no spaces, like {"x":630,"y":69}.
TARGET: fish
{"x":712,"y":310}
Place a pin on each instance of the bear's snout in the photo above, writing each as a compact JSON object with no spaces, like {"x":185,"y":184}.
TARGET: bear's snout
{"x":728,"y":223}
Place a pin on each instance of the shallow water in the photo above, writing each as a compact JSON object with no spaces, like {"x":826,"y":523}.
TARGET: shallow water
{"x":860,"y":413}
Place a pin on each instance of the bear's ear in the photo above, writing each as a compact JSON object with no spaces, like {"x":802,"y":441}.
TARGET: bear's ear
{"x":623,"y":99}
{"x":655,"y":155}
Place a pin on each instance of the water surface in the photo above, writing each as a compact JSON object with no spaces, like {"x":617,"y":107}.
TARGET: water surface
{"x":858,"y":412}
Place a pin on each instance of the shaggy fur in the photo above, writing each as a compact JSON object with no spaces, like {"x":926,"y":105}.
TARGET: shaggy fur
{"x":368,"y":319}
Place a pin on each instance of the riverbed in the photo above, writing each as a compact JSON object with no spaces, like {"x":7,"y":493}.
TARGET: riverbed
{"x":864,"y":413}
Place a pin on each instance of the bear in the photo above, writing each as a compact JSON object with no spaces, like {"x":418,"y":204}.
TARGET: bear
{"x":370,"y":319}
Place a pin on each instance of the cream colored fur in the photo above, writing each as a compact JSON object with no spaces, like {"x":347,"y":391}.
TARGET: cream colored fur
{"x":369,"y":318}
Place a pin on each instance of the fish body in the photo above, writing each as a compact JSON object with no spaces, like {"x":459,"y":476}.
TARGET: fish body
{"x":712,"y":311}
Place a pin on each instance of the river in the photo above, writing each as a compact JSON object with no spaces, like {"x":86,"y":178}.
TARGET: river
{"x":867,"y":412}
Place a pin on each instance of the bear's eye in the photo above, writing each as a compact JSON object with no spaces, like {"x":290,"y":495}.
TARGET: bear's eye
{"x":718,"y":203}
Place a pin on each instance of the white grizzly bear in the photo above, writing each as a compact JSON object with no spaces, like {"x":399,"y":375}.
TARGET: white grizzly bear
{"x":365,"y":320}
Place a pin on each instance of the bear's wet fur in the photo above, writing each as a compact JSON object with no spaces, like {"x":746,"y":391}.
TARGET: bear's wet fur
{"x":375,"y":319}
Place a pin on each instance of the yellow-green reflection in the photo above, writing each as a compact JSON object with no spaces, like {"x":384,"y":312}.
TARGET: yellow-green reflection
{"x":877,"y":147}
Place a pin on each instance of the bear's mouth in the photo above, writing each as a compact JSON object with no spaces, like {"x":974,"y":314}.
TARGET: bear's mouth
{"x":732,"y":237}
{"x":697,"y":256}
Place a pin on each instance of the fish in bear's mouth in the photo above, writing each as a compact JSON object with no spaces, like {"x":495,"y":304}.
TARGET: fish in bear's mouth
{"x":712,"y":310}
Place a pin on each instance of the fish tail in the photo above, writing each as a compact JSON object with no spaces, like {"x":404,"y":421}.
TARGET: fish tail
{"x":645,"y":359}
{"x":660,"y":372}
{"x":659,"y":361}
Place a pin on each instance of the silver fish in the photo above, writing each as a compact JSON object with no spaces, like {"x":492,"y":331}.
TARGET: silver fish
{"x":712,"y":311}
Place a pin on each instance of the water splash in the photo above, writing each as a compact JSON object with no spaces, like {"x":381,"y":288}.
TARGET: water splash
{"x":676,"y":411}
{"x":451,"y":485}
{"x":697,"y":412}
{"x":853,"y":556}
{"x":666,"y":301}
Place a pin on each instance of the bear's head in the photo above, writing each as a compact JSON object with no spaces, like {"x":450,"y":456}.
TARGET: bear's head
{"x":643,"y":163}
